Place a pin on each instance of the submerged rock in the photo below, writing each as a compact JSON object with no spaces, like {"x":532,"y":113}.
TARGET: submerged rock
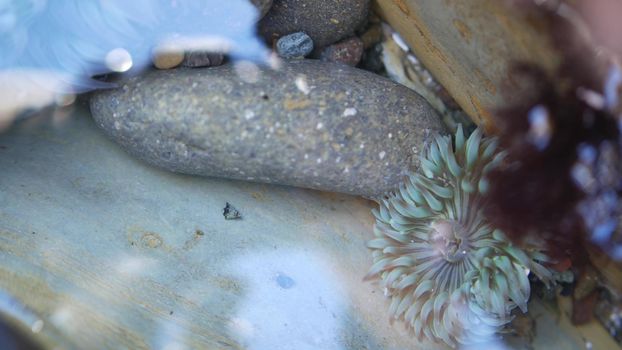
{"x":310,"y":124}
{"x":168,"y":56}
{"x":470,"y":55}
{"x":348,"y":51}
{"x":295,"y":45}
{"x":123,"y":232}
{"x":325,"y":21}
{"x":197,"y":59}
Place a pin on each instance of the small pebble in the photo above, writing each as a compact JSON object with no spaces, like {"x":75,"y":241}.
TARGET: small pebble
{"x":167,"y":54}
{"x":347,"y":51}
{"x":196,"y":59}
{"x":168,"y":59}
{"x":230,"y":212}
{"x":295,"y":45}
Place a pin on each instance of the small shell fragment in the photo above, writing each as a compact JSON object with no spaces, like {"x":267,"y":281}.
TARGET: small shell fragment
{"x":230,"y":212}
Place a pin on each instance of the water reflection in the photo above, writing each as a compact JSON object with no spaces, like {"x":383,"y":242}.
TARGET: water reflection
{"x":293,"y":301}
{"x":52,"y":47}
{"x":13,"y":308}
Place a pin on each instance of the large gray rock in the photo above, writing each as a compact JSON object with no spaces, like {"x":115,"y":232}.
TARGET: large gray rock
{"x":325,"y":21}
{"x":311,"y":124}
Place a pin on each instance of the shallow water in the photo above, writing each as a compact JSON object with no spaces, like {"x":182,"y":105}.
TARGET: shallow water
{"x":114,"y":253}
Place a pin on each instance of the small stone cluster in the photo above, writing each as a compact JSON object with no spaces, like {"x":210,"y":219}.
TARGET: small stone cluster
{"x":326,"y":27}
{"x":314,"y":122}
{"x":325,"y":30}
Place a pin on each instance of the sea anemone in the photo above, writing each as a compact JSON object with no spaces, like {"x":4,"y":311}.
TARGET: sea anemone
{"x":450,"y":275}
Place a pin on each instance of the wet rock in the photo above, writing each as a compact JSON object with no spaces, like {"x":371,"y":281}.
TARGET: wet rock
{"x":472,"y":64}
{"x":311,"y":124}
{"x":263,"y":6}
{"x":325,"y":21}
{"x":295,"y":45}
{"x":583,"y":309}
{"x":167,"y":56}
{"x":347,"y":51}
{"x":586,"y":282}
{"x":208,"y":270}
{"x":168,"y":60}
{"x":196,"y":59}
{"x":372,"y":36}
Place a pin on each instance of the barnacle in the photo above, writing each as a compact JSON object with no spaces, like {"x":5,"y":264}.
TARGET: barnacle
{"x":450,"y":275}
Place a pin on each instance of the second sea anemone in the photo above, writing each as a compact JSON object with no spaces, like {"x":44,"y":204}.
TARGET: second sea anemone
{"x":450,"y":275}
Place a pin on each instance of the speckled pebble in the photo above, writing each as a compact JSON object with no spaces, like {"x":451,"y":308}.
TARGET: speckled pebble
{"x":310,"y":124}
{"x":295,"y":45}
{"x":325,"y":21}
{"x":348,"y":51}
{"x":196,"y":59}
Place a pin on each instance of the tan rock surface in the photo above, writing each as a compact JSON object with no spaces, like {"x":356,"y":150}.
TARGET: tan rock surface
{"x":468,"y":46}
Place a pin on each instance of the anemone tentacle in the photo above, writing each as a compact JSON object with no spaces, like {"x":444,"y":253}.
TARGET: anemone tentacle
{"x":450,"y":275}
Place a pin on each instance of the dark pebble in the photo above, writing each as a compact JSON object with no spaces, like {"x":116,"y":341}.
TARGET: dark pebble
{"x":230,"y":212}
{"x":196,"y":59}
{"x":295,"y":45}
{"x":347,"y":51}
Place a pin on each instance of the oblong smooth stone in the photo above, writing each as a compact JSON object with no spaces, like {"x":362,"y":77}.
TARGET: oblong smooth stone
{"x":309,"y":124}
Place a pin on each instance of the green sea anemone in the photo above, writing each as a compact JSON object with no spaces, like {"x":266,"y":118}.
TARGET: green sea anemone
{"x":450,"y":275}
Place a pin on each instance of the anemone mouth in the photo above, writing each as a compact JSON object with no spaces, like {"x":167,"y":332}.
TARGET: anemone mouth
{"x":450,"y":239}
{"x":450,"y":275}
